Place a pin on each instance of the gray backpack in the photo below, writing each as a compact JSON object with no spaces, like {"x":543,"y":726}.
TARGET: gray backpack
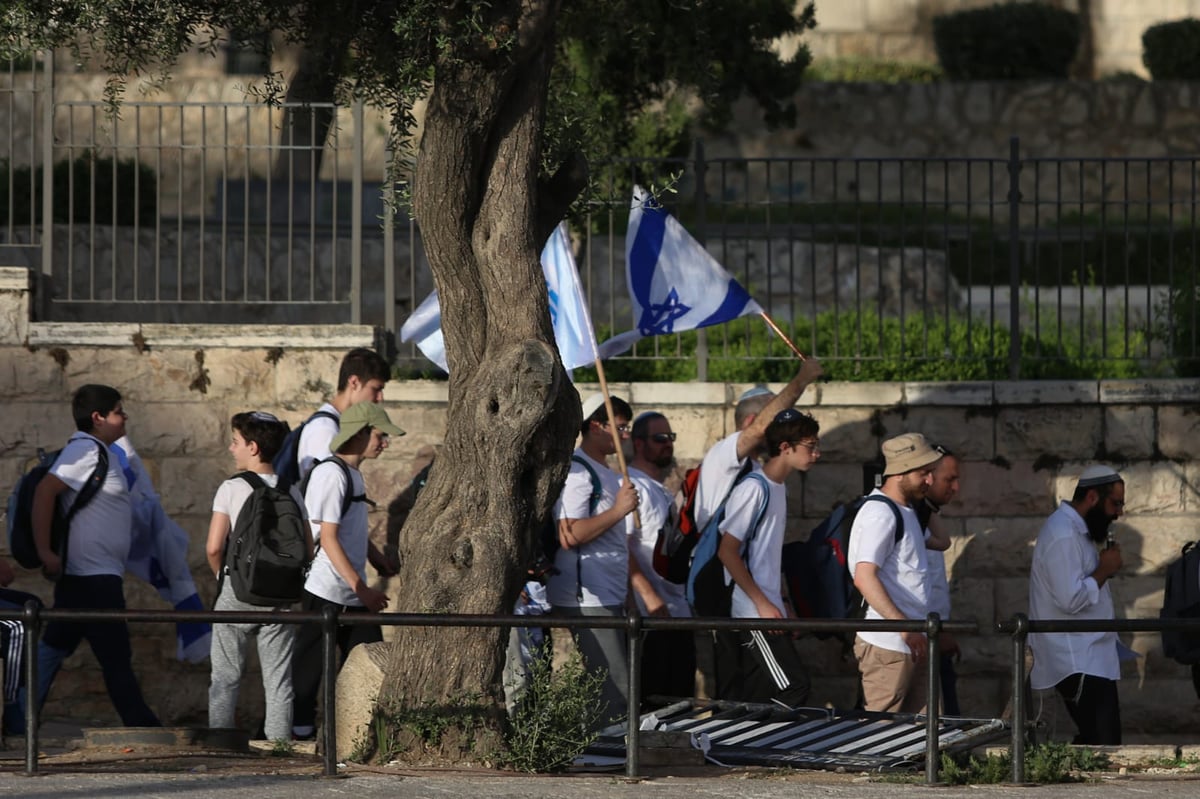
{"x":266,"y":556}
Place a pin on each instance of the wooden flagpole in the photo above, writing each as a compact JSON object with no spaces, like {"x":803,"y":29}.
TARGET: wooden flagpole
{"x":616,"y":434}
{"x":771,"y":324}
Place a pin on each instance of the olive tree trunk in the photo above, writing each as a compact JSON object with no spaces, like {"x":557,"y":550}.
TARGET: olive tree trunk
{"x":512,"y":414}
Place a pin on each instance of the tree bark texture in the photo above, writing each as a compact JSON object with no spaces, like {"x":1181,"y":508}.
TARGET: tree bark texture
{"x":512,"y":413}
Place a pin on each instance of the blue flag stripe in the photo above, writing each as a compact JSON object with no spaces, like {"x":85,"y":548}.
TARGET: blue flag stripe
{"x":644,"y":252}
{"x":731,"y":306}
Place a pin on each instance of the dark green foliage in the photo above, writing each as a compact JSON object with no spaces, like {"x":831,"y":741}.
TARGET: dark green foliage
{"x":1171,"y":50}
{"x":85,"y":189}
{"x":1007,"y":41}
{"x":1180,"y":328}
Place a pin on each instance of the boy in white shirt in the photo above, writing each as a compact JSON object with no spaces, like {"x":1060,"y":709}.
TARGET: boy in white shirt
{"x":765,"y":664}
{"x":361,"y":378}
{"x":592,"y":563}
{"x":336,"y":501}
{"x":256,"y":438}
{"x":92,"y":575}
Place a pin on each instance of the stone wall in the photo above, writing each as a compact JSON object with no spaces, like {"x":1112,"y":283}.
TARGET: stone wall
{"x":1022,"y":445}
{"x":903,"y":29}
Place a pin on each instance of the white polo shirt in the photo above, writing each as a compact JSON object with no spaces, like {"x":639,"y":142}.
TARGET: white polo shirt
{"x":656,"y":507}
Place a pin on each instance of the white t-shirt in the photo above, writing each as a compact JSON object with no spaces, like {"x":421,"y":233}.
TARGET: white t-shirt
{"x":323,"y":503}
{"x":232,"y":494}
{"x":656,"y":507}
{"x":718,"y":471}
{"x":102,"y":530}
{"x":766,"y":548}
{"x":316,"y":437}
{"x":902,"y":564}
{"x":597,"y":573}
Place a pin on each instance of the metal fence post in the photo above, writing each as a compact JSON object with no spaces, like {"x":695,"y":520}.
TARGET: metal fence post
{"x":329,"y":628}
{"x":43,"y":292}
{"x":933,"y":629}
{"x":1019,"y":636}
{"x":633,"y":711}
{"x":701,"y":236}
{"x":356,"y":217}
{"x":1014,"y":258}
{"x":31,"y":622}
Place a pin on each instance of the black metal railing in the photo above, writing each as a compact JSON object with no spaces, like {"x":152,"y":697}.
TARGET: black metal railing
{"x":1018,"y":628}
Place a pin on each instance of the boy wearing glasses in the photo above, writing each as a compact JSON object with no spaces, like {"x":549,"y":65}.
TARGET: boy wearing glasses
{"x":1073,"y":560}
{"x":765,"y":665}
{"x":90,"y":570}
{"x":592,"y":562}
{"x":335,"y":499}
{"x":668,"y":656}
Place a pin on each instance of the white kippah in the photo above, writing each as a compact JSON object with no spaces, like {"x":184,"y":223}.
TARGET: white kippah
{"x":1098,"y":475}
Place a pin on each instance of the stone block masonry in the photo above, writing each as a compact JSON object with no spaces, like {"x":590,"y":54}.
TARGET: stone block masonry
{"x":1022,"y":445}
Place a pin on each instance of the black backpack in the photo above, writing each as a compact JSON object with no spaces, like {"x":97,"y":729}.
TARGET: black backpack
{"x":266,"y":555}
{"x":816,"y":571}
{"x":286,"y":462}
{"x":20,"y":509}
{"x":1181,"y":600}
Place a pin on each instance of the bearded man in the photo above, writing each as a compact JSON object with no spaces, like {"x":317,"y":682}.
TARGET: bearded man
{"x":1072,"y":563}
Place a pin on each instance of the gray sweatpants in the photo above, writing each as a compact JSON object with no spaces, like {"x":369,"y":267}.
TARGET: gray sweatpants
{"x":275,"y":645}
{"x":604,"y":650}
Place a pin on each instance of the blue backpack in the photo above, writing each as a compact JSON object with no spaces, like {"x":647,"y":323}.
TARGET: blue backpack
{"x":286,"y":462}
{"x":707,"y":592}
{"x":816,"y":571}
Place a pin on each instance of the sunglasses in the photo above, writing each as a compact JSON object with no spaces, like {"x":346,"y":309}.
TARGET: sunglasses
{"x":662,"y":438}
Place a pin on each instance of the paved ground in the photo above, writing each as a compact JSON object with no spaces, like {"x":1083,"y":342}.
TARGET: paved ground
{"x":403,"y":785}
{"x":172,"y":773}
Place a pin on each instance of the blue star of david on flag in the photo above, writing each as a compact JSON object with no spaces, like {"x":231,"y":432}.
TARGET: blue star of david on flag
{"x":674,"y":283}
{"x":660,"y":318}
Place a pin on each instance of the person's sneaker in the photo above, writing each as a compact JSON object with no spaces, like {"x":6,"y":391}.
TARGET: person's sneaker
{"x":304,"y":734}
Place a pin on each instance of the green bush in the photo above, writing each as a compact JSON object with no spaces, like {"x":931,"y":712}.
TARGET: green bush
{"x":866,"y":347}
{"x":1180,"y":328}
{"x":554,"y":721}
{"x":1007,"y":41}
{"x":1046,"y":763}
{"x":871,"y":70}
{"x":1171,"y":50}
{"x":84,"y":190}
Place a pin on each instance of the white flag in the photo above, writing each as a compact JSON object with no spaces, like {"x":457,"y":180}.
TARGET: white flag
{"x":568,"y":311}
{"x":674,"y":283}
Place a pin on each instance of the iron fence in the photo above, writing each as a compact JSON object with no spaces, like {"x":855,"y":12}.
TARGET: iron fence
{"x":1018,"y":628}
{"x":243,"y":212}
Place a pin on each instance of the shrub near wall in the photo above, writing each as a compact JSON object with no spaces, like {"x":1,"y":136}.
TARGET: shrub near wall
{"x":1007,"y":41}
{"x":1171,"y":50}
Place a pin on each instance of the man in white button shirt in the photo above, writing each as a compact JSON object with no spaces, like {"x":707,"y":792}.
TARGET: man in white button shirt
{"x":1072,"y":564}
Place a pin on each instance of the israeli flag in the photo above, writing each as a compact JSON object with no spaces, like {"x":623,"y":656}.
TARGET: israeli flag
{"x":568,"y":311}
{"x":674,"y":283}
